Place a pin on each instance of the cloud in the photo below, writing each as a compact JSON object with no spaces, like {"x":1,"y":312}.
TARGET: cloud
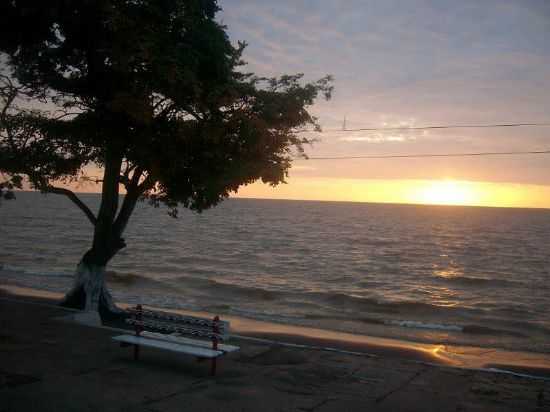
{"x":303,"y":168}
{"x":376,"y":138}
{"x":412,"y":63}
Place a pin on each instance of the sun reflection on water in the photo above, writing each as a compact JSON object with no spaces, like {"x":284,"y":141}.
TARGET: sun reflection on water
{"x":447,"y":273}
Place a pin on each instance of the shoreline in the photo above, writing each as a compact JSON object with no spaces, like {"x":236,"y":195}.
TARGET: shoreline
{"x":530,"y":364}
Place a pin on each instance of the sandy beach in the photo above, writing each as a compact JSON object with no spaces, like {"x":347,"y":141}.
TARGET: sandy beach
{"x":54,"y":365}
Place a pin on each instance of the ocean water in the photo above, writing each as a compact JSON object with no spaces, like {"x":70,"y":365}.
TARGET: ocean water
{"x":438,"y":274}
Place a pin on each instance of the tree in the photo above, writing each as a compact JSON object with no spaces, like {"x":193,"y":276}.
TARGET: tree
{"x":151,"y":92}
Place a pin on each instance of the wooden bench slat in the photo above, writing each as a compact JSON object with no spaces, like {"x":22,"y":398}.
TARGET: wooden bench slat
{"x":174,"y":347}
{"x":170,"y":327}
{"x":192,"y":342}
{"x":172,"y":317}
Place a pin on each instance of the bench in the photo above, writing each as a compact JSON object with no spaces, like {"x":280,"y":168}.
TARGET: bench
{"x":200,"y":337}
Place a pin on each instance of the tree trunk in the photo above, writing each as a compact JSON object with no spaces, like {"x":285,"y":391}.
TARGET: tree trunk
{"x":89,"y":291}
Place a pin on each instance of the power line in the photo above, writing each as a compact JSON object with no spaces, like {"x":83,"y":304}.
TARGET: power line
{"x":451,"y":126}
{"x":401,"y":156}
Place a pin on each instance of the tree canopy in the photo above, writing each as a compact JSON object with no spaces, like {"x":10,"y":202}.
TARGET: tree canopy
{"x":154,"y":84}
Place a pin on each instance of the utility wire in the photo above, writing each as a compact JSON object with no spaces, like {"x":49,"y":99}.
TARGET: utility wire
{"x":476,"y":154}
{"x":451,"y":126}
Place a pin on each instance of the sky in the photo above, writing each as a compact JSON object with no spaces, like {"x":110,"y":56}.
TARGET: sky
{"x":411,"y":63}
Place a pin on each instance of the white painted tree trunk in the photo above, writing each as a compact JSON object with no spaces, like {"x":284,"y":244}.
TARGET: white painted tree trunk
{"x":90,"y":281}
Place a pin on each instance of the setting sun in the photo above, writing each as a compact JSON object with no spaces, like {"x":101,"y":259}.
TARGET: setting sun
{"x":447,"y":192}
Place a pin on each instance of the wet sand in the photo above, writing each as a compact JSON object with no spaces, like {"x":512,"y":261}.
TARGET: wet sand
{"x":52,"y":365}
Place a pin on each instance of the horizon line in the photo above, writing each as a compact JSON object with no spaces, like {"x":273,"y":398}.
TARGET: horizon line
{"x":342,"y":201}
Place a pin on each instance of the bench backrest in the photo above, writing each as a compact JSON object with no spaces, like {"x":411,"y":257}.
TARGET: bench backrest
{"x":214,"y":329}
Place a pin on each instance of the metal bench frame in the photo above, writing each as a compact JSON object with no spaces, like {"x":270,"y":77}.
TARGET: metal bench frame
{"x":166,"y":331}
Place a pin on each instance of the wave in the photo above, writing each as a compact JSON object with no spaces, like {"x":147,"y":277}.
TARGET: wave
{"x":227,"y":290}
{"x":484,"y":330}
{"x":339,"y":301}
{"x":334,"y":301}
{"x":467,"y":329}
{"x":124,"y":278}
{"x":331,"y":300}
{"x":362,"y":319}
{"x":9,"y":270}
{"x":473,"y":281}
{"x":195,"y":260}
{"x":365,"y":304}
{"x":423,"y":325}
{"x":129,"y":282}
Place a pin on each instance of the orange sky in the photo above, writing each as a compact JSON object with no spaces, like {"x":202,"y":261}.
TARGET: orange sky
{"x":446,"y":191}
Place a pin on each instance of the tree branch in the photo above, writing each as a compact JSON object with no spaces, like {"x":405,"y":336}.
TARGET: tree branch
{"x":71,"y":195}
{"x":124,"y":180}
{"x":134,"y":191}
{"x":126,"y":210}
{"x":147,"y":183}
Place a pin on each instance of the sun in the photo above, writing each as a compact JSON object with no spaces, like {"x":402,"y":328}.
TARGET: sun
{"x":447,"y":192}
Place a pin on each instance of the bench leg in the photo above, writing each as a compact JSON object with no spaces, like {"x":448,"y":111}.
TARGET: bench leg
{"x":136,"y":352}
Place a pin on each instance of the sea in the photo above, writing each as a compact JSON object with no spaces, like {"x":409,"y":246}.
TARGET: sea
{"x":437,"y":274}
